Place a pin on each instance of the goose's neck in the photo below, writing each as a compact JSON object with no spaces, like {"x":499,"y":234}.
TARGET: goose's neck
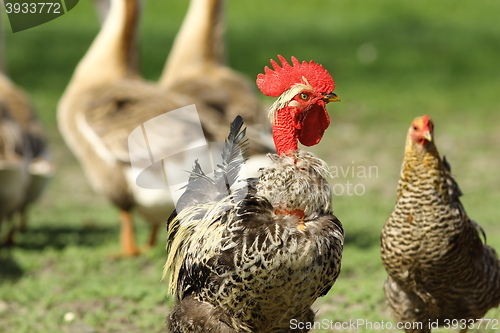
{"x":200,"y":41}
{"x":112,"y":55}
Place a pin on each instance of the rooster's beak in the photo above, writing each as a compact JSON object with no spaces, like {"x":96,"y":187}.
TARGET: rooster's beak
{"x":427,"y":136}
{"x":331,"y":97}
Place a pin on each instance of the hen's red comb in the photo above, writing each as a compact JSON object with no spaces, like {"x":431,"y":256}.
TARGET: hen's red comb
{"x":275,"y":82}
{"x":425,"y":121}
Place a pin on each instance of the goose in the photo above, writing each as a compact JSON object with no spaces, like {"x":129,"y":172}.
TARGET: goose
{"x":13,"y":167}
{"x":25,"y":164}
{"x":104,"y":102}
{"x":39,"y":167}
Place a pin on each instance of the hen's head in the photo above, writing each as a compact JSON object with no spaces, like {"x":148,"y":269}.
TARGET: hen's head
{"x":421,"y":130}
{"x":420,"y":138}
{"x":299,"y":113}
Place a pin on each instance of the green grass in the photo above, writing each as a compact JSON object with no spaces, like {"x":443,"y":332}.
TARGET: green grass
{"x":434,"y":57}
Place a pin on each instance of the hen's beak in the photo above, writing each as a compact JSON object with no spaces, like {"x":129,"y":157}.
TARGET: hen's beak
{"x":427,"y":136}
{"x":331,"y":97}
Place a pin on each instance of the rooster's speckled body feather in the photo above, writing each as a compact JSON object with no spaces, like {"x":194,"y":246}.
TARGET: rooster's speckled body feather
{"x":244,"y":261}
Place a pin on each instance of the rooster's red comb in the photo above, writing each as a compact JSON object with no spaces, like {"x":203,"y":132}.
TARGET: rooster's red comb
{"x":275,"y":82}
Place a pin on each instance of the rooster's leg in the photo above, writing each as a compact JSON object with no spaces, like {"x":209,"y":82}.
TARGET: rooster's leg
{"x":129,"y":247}
{"x":153,"y":233}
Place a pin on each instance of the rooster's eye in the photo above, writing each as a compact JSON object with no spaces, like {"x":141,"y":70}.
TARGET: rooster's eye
{"x":415,"y":128}
{"x":304,"y":96}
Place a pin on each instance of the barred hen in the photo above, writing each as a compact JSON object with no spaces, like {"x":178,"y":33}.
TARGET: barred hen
{"x":254,"y":258}
{"x":438,"y":267}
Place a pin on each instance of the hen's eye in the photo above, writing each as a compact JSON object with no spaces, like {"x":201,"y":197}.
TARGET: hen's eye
{"x":415,"y":128}
{"x":304,"y":96}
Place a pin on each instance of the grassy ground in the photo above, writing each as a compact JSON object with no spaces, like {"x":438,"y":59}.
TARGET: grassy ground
{"x":392,"y":60}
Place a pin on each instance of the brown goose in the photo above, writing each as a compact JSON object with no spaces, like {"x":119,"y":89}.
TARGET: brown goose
{"x":13,"y":166}
{"x":24,"y":157}
{"x":103,"y":103}
{"x":40,"y":168}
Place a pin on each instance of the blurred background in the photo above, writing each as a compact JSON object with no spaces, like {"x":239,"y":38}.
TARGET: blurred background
{"x":392,"y":60}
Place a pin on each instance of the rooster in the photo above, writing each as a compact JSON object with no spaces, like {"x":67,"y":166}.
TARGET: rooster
{"x":438,"y":267}
{"x":255,"y":258}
